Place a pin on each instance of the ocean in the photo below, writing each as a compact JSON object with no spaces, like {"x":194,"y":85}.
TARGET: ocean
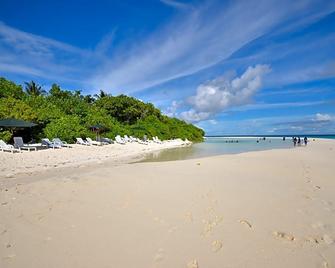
{"x":225,"y":145}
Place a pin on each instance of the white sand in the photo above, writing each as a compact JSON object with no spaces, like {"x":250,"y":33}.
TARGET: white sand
{"x":79,"y":155}
{"x":258,"y":209}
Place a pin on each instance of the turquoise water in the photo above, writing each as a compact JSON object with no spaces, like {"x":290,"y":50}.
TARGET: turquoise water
{"x":218,"y":146}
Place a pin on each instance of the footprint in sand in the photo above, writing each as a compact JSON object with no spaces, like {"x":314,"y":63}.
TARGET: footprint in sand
{"x":246,"y":223}
{"x":327,"y":239}
{"x":283,"y":235}
{"x":193,"y":264}
{"x":159,"y":256}
{"x":8,"y":257}
{"x":216,"y":245}
{"x":189,"y":216}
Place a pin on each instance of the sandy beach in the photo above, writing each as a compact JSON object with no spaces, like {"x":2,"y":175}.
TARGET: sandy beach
{"x":271,"y":208}
{"x":78,"y":156}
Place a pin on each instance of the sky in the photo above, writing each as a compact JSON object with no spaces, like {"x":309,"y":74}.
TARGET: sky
{"x":229,"y":67}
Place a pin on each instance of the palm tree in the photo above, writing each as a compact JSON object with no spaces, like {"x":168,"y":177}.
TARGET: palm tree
{"x":101,"y":95}
{"x":34,"y":89}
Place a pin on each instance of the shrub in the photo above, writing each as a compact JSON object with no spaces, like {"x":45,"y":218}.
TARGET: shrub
{"x":5,"y":135}
{"x":66,"y":128}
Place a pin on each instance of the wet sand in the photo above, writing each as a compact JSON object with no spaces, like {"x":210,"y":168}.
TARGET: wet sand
{"x":259,"y":209}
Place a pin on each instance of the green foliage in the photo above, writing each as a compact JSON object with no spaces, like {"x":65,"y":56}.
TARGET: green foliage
{"x":67,"y":128}
{"x":5,"y":135}
{"x":126,"y":109}
{"x":16,"y":108}
{"x":68,"y":114}
{"x":10,"y":89}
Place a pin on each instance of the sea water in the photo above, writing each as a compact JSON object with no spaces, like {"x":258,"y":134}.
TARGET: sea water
{"x":225,"y":145}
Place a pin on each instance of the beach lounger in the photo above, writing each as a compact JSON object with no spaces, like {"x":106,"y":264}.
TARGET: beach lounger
{"x":92,"y":142}
{"x":82,"y":142}
{"x":127,"y":139}
{"x":50,"y":144}
{"x":18,"y":144}
{"x":132,"y":139}
{"x":106,"y":141}
{"x":156,"y":140}
{"x":7,"y":147}
{"x":61,"y":143}
{"x":119,"y":140}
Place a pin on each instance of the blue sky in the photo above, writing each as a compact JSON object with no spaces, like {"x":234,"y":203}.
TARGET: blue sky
{"x":230,"y":67}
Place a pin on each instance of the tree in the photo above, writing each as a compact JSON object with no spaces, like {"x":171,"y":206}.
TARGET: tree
{"x":69,"y":114}
{"x":102,"y":94}
{"x":10,"y":89}
{"x":34,"y":89}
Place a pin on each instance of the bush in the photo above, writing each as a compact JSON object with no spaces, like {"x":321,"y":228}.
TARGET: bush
{"x":5,"y":135}
{"x":66,"y":128}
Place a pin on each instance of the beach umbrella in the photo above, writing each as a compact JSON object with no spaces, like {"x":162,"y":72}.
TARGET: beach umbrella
{"x":15,"y":123}
{"x":98,"y":129}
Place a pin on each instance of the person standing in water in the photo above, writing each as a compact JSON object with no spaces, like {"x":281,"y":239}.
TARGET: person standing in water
{"x":305,"y":141}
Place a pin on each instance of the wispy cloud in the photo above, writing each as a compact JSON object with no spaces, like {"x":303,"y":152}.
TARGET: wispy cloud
{"x":175,"y":4}
{"x":193,"y":42}
{"x":36,"y":56}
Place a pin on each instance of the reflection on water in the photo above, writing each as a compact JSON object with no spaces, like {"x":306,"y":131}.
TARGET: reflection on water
{"x":218,"y":146}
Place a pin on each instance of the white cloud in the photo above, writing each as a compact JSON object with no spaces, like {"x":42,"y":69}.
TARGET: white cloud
{"x":323,"y":117}
{"x":171,"y":111}
{"x":194,"y":116}
{"x":222,"y":93}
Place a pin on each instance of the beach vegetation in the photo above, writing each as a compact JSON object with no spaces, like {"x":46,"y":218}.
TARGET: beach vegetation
{"x":69,"y":114}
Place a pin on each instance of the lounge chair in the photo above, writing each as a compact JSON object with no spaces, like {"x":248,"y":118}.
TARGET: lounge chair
{"x":156,"y":140}
{"x":92,"y":142}
{"x":132,"y":139}
{"x":61,"y":143}
{"x":127,"y":139}
{"x":106,"y":141}
{"x":18,"y":144}
{"x":82,"y":142}
{"x":119,"y":140}
{"x":50,"y":144}
{"x":7,"y":147}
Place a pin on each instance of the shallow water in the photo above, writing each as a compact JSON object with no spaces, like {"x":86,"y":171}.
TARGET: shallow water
{"x":218,"y":146}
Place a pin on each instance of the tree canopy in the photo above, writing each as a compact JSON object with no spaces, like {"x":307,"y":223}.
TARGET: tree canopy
{"x":69,"y":114}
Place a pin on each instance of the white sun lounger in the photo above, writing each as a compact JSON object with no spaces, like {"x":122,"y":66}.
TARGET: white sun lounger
{"x":156,"y":140}
{"x":92,"y":142}
{"x":119,"y":140}
{"x":127,"y":139}
{"x":82,"y":142}
{"x":7,"y":147}
{"x":50,"y":144}
{"x":61,"y":143}
{"x":18,"y":143}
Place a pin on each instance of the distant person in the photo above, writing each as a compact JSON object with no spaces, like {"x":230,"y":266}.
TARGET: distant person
{"x":305,"y":141}
{"x":284,"y":138}
{"x":294,"y":141}
{"x":299,"y":141}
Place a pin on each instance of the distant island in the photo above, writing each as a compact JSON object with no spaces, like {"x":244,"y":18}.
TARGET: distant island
{"x":69,"y":114}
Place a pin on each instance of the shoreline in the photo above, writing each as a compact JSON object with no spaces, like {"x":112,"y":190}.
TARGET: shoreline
{"x":28,"y":163}
{"x":9,"y":178}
